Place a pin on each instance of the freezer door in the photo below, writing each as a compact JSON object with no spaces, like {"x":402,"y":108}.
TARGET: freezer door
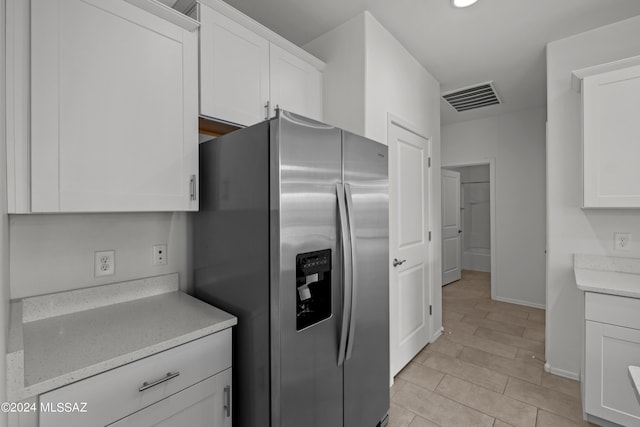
{"x":305,"y":273}
{"x":366,"y":369}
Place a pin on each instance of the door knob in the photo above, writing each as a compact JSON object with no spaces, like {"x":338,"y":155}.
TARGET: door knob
{"x":397,"y":263}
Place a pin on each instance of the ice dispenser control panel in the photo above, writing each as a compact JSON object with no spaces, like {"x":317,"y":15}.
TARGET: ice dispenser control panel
{"x":313,"y":288}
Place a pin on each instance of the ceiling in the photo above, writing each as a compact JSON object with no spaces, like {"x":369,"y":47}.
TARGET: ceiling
{"x":499,"y":40}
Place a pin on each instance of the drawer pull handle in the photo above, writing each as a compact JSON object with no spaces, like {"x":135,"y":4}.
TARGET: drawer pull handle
{"x":227,"y":401}
{"x":169,"y":376}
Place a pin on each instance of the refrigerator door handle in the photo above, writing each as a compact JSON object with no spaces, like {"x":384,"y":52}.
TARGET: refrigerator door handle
{"x":346,"y":273}
{"x":354,"y":271}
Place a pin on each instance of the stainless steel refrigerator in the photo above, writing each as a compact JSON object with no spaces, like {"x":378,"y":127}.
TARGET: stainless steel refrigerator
{"x":292,"y":238}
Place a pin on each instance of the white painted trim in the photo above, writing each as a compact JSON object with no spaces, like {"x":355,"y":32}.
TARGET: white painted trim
{"x":578,"y":75}
{"x":17,"y":106}
{"x":519,"y":302}
{"x":491,"y":161}
{"x":561,"y":372}
{"x":437,"y":335}
{"x":168,"y":14}
{"x":242,"y":19}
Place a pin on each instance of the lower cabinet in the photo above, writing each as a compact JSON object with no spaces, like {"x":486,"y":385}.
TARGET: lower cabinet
{"x":188,"y":385}
{"x":206,"y":404}
{"x":612,"y":344}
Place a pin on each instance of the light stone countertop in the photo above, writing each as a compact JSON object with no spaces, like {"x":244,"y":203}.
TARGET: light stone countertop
{"x":608,"y":275}
{"x":634,"y":372}
{"x":55,"y":351}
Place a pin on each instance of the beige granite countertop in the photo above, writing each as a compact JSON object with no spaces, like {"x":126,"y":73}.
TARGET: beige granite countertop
{"x":57,"y":349}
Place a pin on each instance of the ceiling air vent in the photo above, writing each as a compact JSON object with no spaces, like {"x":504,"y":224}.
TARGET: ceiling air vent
{"x":472,"y":97}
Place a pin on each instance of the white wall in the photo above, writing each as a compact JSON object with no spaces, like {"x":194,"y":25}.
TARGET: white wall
{"x":571,"y":229}
{"x":53,"y":253}
{"x":396,"y":83}
{"x":369,"y":75}
{"x":517,"y":143}
{"x":342,"y":49}
{"x":4,"y":225}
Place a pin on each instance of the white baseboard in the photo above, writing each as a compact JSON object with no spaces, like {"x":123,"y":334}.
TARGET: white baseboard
{"x":525,"y":303}
{"x":436,"y":335}
{"x":561,"y":372}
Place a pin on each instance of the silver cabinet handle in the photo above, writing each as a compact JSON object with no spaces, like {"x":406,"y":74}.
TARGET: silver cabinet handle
{"x":146,"y":385}
{"x":397,"y":263}
{"x":192,"y":186}
{"x":227,"y":401}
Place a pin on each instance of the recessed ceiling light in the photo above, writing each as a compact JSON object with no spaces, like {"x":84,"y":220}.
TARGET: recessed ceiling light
{"x":463,"y":3}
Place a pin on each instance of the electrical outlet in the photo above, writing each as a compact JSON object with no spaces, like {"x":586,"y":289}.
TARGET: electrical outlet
{"x":621,"y":242}
{"x":159,"y":255}
{"x":105,"y":263}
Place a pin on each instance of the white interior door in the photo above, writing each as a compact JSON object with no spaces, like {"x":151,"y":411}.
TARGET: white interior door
{"x":410,"y":276}
{"x":450,"y":226}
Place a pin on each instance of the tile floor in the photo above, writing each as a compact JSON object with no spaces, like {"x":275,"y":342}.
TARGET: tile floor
{"x":485,"y":370}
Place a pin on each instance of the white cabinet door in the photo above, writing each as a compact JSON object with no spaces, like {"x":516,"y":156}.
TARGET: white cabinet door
{"x":113,"y":109}
{"x":206,"y":404}
{"x":234,"y":70}
{"x":296,"y":85}
{"x":611,"y":131}
{"x":609,"y":394}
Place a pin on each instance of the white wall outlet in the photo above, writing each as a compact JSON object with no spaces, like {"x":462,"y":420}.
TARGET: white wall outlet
{"x":159,"y":255}
{"x":105,"y":263}
{"x":621,"y":242}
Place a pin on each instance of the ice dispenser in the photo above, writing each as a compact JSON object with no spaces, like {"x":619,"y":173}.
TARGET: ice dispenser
{"x":313,"y":288}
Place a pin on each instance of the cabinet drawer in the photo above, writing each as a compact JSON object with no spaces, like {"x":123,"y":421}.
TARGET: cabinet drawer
{"x":115,"y":394}
{"x":612,"y":309}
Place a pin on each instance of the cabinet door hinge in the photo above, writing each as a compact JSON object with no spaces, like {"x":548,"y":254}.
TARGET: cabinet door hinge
{"x":429,"y":162}
{"x":430,"y":310}
{"x":429,"y":236}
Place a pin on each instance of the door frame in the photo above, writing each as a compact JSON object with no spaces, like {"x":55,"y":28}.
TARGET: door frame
{"x":435,"y":268}
{"x":491,"y":161}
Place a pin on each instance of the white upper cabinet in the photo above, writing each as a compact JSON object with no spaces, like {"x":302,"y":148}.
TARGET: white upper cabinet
{"x":295,"y":84}
{"x":246,"y":70}
{"x":611,"y":138}
{"x":114,"y":109}
{"x":234,"y":70}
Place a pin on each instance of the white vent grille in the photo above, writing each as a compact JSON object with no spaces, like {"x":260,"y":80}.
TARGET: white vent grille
{"x":472,"y":97}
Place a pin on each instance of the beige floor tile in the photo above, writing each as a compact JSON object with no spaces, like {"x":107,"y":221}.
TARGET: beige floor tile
{"x":514,"y":320}
{"x":421,"y":375}
{"x":547,"y":419}
{"x":499,"y":423}
{"x":398,"y":383}
{"x":441,"y":345}
{"x":399,"y":416}
{"x":418,"y":421}
{"x":534,"y":334}
{"x":460,"y":328}
{"x":563,"y":385}
{"x":484,"y":344}
{"x":451,"y":316}
{"x":544,"y":398}
{"x":506,"y":328}
{"x":530,"y":357}
{"x":512,"y":340}
{"x":491,"y":403}
{"x":466,"y":310}
{"x":514,"y":368}
{"x":438,"y":409}
{"x":512,"y":309}
{"x":537,"y":315}
{"x":474,"y":374}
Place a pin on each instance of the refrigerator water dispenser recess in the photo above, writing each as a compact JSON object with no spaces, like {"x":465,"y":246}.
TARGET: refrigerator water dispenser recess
{"x":313,"y":288}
